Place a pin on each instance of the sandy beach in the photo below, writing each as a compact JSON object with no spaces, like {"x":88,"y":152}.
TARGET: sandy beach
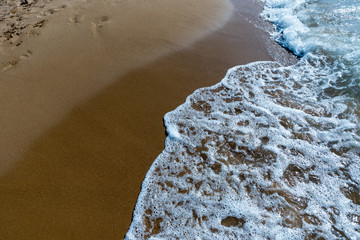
{"x":83,"y":90}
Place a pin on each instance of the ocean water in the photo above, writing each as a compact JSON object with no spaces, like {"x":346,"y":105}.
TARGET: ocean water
{"x":270,"y":152}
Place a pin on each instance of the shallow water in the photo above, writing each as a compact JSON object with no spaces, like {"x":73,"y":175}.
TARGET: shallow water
{"x":328,"y":30}
{"x":270,"y":152}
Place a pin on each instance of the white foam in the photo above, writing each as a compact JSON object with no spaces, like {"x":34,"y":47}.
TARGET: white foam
{"x":306,"y":26}
{"x":257,"y":156}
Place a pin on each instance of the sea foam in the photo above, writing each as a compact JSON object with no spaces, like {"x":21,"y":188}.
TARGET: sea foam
{"x":257,"y":156}
{"x":326,"y":29}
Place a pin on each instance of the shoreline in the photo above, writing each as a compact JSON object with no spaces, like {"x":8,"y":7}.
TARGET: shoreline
{"x":82,"y":177}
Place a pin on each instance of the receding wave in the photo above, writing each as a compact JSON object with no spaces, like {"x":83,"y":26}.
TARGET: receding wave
{"x":261,"y":155}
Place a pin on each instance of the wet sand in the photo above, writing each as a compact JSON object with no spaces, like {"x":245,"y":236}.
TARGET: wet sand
{"x":78,"y":146}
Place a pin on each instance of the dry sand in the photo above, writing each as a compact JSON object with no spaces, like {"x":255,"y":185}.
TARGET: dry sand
{"x":82,"y":99}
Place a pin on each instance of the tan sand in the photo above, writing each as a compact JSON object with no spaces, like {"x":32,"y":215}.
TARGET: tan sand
{"x":83,"y":48}
{"x":76,"y":171}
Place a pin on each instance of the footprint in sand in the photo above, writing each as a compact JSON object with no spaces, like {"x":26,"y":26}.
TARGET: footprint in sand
{"x":34,"y":29}
{"x":32,"y":32}
{"x":39,"y":24}
{"x":14,"y":62}
{"x":50,"y":11}
{"x":76,"y":18}
{"x":99,"y":22}
{"x":26,"y":54}
{"x":10,"y":64}
{"x":46,"y":13}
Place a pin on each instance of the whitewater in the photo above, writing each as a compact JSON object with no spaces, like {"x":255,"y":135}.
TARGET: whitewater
{"x":272,"y":151}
